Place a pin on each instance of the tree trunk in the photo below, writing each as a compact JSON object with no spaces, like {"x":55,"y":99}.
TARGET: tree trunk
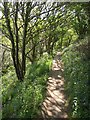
{"x":19,"y":68}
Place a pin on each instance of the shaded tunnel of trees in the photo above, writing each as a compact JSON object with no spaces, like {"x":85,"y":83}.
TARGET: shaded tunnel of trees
{"x":30,"y":30}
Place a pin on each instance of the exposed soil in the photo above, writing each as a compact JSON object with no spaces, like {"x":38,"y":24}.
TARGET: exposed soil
{"x":55,"y":103}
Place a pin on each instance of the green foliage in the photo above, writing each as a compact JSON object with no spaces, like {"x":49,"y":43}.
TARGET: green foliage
{"x":76,"y":76}
{"x":42,"y":27}
{"x":23,"y":99}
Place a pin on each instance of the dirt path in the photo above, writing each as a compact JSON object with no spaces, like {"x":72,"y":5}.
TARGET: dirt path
{"x":55,"y":103}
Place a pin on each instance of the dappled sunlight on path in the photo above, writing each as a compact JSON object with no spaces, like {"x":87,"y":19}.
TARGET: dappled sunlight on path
{"x":55,"y":103}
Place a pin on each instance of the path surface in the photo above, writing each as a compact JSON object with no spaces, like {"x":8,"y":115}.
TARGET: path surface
{"x":55,"y":103}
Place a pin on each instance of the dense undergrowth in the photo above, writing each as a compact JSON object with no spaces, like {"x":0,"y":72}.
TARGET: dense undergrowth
{"x":23,"y":99}
{"x":76,"y":70}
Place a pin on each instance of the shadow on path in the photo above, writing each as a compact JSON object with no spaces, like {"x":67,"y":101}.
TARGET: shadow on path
{"x":55,"y":103}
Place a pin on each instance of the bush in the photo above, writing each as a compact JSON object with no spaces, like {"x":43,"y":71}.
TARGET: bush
{"x":24,"y":99}
{"x":77,"y":87}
